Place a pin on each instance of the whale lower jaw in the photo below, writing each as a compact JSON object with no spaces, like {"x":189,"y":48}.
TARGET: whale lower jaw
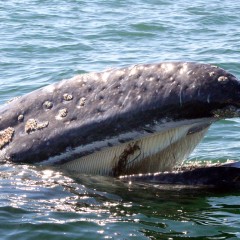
{"x":156,"y":152}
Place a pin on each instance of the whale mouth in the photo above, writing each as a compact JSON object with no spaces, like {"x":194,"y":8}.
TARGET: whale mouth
{"x":170,"y":144}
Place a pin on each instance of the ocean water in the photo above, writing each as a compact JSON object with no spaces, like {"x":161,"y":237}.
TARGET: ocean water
{"x":43,"y":41}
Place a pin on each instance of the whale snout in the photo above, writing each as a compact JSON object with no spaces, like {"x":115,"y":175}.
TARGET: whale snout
{"x":226,"y":93}
{"x":220,"y":88}
{"x":230,"y":88}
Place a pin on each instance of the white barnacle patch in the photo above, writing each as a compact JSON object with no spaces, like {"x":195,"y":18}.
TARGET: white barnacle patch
{"x":47,"y":105}
{"x":223,"y":79}
{"x":20,"y":117}
{"x":67,"y":97}
{"x":6,"y":136}
{"x":81,"y":102}
{"x":211,"y":74}
{"x":41,"y":125}
{"x":33,"y":125}
{"x":61,"y":114}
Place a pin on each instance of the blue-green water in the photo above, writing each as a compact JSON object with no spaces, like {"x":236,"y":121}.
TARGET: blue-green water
{"x":43,"y":41}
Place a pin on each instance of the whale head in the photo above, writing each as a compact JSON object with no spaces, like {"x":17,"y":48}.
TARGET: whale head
{"x":138,"y":119}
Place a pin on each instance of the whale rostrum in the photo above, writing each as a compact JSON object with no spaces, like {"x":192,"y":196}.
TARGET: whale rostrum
{"x":144,"y":118}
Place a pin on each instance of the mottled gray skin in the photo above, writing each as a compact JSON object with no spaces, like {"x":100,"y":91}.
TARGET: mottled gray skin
{"x":98,"y":106}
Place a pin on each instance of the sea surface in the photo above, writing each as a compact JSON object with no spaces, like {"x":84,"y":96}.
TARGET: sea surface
{"x":42,"y":42}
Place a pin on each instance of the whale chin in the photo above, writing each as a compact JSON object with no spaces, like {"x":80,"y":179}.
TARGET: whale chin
{"x":157,"y":150}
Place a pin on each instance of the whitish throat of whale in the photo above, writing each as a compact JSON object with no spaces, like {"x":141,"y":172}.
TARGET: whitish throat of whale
{"x":170,"y":144}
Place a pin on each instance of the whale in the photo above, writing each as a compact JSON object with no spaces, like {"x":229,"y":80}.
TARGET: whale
{"x":144,"y":118}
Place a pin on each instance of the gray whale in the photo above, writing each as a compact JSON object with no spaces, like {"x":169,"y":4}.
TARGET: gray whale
{"x":138,"y":119}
